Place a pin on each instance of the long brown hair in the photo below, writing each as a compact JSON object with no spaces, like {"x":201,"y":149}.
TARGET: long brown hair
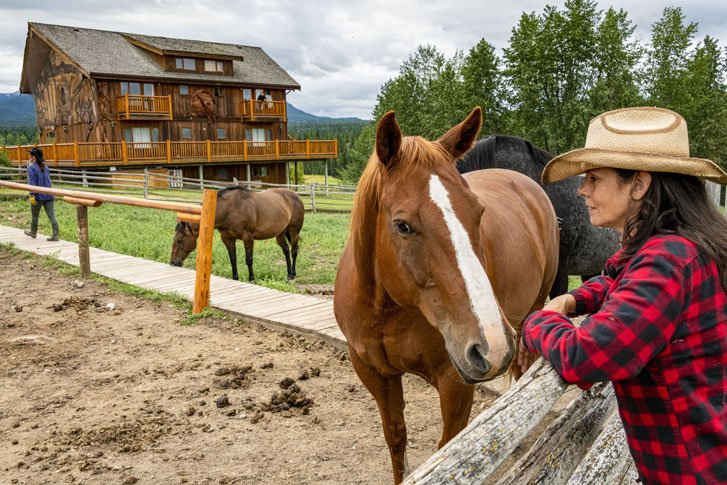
{"x":677,"y":204}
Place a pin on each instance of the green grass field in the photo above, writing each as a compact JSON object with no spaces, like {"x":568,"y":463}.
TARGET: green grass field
{"x":148,"y":234}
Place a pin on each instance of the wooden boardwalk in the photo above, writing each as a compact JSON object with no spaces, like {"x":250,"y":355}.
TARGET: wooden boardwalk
{"x":298,"y":313}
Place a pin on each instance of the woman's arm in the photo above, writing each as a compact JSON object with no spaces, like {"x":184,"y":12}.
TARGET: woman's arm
{"x":634,"y":324}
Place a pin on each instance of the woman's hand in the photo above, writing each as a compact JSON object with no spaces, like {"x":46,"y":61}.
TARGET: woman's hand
{"x":525,"y":358}
{"x":563,"y":304}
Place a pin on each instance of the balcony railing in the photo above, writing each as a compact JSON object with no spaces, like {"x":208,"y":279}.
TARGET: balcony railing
{"x":91,"y":154}
{"x":132,"y":104}
{"x":252,"y":109}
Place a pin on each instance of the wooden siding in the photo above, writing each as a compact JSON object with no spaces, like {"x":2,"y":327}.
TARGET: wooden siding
{"x":65,"y":101}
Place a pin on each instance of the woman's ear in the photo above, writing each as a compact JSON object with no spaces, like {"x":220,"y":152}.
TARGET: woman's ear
{"x":642,"y":182}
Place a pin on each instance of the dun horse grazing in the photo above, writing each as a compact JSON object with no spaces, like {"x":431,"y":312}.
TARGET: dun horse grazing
{"x":584,"y":248}
{"x":247,"y":215}
{"x":439,"y":272}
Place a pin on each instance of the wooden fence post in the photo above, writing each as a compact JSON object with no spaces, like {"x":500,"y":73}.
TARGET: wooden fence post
{"x":55,"y":154}
{"x":84,"y":259}
{"x":277,"y":149}
{"x":20,"y":160}
{"x":313,"y":196}
{"x":307,"y":148}
{"x":204,"y":252}
{"x":146,"y":183}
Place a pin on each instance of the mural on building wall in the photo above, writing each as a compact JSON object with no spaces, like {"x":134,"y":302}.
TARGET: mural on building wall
{"x":63,"y":96}
{"x":204,"y":105}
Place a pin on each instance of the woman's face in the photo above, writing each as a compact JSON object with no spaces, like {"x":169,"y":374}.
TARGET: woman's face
{"x":607,"y":198}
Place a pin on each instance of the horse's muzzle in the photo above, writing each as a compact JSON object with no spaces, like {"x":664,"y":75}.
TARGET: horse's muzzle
{"x":175,"y":262}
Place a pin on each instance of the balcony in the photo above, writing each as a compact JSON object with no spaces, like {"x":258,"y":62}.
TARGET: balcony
{"x":135,"y":106}
{"x":254,"y":110}
{"x":175,"y":153}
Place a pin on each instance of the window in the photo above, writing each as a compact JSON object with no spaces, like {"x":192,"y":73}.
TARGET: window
{"x":247,"y":94}
{"x":213,"y":66}
{"x":186,"y":63}
{"x":183,"y":89}
{"x":141,"y":135}
{"x":186,"y":132}
{"x":259,"y":171}
{"x":136,"y":89}
{"x":222,"y":174}
{"x":218,"y":91}
{"x":220,"y":133}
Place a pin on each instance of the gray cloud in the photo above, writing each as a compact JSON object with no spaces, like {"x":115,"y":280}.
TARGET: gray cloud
{"x":340,"y":52}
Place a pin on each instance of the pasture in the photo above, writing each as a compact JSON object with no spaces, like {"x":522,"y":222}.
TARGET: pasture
{"x":148,"y":234}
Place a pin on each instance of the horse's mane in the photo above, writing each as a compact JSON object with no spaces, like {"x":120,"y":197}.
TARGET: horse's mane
{"x":415,"y":151}
{"x":483,"y":154}
{"x":245,"y":191}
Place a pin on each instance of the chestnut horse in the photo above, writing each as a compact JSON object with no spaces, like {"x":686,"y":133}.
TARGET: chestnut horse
{"x":439,"y":272}
{"x":247,"y":215}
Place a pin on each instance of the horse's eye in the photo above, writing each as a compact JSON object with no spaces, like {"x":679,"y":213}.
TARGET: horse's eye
{"x":403,"y":228}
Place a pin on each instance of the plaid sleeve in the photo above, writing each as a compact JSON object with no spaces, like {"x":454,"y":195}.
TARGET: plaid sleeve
{"x":636,"y":321}
{"x":591,"y":294}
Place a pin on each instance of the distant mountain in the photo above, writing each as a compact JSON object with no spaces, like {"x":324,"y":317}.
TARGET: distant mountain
{"x":17,"y":109}
{"x":298,"y":116}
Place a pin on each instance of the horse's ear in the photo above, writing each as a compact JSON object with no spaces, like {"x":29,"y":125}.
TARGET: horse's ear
{"x":462,"y":137}
{"x":388,"y":139}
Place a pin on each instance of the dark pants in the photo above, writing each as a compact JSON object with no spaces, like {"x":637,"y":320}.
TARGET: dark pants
{"x":35,"y":212}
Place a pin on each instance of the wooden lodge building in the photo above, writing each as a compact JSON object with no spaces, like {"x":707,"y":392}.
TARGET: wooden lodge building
{"x":112,"y":99}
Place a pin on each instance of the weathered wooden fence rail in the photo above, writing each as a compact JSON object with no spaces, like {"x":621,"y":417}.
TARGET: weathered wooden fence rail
{"x":573,"y":446}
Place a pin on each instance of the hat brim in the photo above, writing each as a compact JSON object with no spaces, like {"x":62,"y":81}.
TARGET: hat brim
{"x":579,"y":161}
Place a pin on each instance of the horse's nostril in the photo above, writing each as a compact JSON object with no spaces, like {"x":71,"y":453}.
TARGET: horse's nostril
{"x":475,"y":356}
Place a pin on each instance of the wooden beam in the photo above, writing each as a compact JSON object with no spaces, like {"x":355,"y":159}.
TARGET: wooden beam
{"x":84,"y":259}
{"x":204,"y":252}
{"x":492,"y":436}
{"x":184,"y":217}
{"x":79,"y":201}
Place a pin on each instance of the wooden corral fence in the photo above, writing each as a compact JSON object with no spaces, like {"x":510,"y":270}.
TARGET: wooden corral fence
{"x":585,"y":445}
{"x":204,"y":215}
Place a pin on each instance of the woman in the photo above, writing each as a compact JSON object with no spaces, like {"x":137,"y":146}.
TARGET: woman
{"x":657,"y":324}
{"x":39,"y":175}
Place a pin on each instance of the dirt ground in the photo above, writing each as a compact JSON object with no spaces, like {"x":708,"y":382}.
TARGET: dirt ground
{"x":97,"y":386}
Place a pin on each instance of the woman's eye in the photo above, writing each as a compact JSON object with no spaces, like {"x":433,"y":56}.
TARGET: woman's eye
{"x":403,"y":228}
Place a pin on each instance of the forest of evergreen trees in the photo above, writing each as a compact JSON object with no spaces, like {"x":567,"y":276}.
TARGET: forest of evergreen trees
{"x":562,"y":67}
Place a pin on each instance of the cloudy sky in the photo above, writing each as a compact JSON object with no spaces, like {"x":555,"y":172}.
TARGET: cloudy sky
{"x":340,"y":52}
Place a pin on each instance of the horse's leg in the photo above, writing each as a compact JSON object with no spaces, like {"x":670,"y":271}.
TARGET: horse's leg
{"x":293,"y":235}
{"x":389,"y":396}
{"x":455,"y":401}
{"x":249,"y":244}
{"x":284,"y":246}
{"x":232,"y":251}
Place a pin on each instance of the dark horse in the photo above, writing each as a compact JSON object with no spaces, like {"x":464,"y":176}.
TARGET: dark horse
{"x":247,"y":215}
{"x":439,"y":272}
{"x":584,"y":248}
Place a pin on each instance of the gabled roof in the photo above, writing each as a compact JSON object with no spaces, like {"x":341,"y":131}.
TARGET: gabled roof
{"x":103,"y":53}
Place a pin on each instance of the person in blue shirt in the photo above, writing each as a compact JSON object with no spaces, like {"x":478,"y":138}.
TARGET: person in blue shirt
{"x":39,"y":175}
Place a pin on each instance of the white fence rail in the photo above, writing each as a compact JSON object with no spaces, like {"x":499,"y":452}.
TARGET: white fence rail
{"x":173,"y":187}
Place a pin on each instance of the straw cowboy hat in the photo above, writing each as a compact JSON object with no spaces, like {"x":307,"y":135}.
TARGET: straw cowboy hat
{"x":648,"y":139}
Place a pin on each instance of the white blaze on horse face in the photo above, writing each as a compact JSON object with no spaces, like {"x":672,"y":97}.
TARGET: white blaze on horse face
{"x":479,"y":290}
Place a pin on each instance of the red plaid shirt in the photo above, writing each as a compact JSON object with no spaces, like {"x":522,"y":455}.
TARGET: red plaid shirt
{"x":657,"y":329}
